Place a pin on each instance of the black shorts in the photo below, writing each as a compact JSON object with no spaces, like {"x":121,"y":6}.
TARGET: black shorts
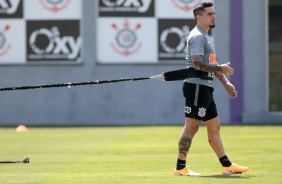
{"x":199,"y":102}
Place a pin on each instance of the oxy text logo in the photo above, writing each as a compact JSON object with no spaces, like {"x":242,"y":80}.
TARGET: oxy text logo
{"x":54,"y":42}
{"x":57,"y":45}
{"x":180,"y":33}
{"x":55,"y":5}
{"x":11,"y":9}
{"x":4,"y":44}
{"x":126,"y":41}
{"x":186,"y":5}
{"x":126,"y":7}
{"x":172,"y":38}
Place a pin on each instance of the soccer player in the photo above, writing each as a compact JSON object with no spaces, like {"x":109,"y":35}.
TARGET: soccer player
{"x":198,"y":92}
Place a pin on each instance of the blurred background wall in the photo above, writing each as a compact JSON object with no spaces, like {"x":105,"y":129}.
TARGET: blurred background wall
{"x":61,"y":41}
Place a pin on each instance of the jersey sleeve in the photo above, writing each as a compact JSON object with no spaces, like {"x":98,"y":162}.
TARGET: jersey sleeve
{"x":197,"y":45}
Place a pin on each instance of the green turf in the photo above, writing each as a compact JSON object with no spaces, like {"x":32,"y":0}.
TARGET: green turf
{"x":136,"y":155}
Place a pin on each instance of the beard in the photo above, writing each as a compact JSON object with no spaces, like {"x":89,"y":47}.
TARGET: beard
{"x":212,"y":26}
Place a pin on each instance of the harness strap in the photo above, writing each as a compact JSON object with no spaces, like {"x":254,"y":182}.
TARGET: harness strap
{"x":187,"y":73}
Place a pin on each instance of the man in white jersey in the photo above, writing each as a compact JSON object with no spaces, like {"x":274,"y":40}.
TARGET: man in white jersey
{"x":198,"y":92}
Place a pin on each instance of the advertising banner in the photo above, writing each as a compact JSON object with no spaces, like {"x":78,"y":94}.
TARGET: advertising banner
{"x":126,"y":8}
{"x":12,"y":34}
{"x":172,"y":37}
{"x":11,"y":9}
{"x":58,"y":40}
{"x":164,"y":26}
{"x":53,"y":9}
{"x":40,"y":31}
{"x":122,"y":40}
{"x":176,"y":8}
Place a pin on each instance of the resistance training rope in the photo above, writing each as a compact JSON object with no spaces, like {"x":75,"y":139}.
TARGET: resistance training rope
{"x":69,"y":85}
{"x":166,"y":76}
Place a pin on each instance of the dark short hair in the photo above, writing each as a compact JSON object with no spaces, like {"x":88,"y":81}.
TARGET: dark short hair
{"x":200,"y":8}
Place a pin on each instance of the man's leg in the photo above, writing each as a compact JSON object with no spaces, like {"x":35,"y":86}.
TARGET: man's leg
{"x":190,"y":129}
{"x":213,"y":129}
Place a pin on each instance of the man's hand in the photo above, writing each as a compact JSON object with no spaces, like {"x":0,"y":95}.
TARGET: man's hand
{"x":226,"y":69}
{"x":231,"y":90}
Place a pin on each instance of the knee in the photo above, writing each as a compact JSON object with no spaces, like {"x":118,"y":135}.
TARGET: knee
{"x":213,"y":130}
{"x":191,"y":126}
{"x":193,"y":130}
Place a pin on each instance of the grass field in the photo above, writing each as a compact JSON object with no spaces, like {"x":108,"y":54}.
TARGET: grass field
{"x":136,"y":155}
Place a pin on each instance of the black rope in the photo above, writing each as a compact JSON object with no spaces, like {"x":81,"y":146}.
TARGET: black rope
{"x":72,"y":84}
{"x":24,"y":161}
{"x":166,"y":76}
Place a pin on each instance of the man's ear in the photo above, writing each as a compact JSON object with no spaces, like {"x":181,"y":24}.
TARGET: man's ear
{"x":198,"y":17}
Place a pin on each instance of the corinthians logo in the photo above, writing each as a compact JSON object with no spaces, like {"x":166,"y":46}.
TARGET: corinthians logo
{"x":4,"y":46}
{"x":126,"y":39}
{"x":55,"y":5}
{"x":186,"y":5}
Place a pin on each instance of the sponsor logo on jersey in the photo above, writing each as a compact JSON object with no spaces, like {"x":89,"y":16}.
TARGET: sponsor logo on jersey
{"x":212,"y":58}
{"x":188,"y":110}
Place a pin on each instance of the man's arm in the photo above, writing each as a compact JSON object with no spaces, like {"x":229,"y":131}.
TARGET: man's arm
{"x":228,"y":86}
{"x":206,"y":67}
{"x":221,"y":77}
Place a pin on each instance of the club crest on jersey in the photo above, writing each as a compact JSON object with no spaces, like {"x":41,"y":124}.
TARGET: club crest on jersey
{"x":202,"y":112}
{"x":186,"y":5}
{"x":4,"y":45}
{"x":55,"y":5}
{"x":126,"y":41}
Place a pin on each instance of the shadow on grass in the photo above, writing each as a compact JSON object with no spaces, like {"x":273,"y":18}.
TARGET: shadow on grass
{"x":237,"y":176}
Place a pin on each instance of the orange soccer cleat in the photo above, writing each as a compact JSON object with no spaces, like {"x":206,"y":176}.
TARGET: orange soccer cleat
{"x":234,"y":169}
{"x":185,"y":172}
